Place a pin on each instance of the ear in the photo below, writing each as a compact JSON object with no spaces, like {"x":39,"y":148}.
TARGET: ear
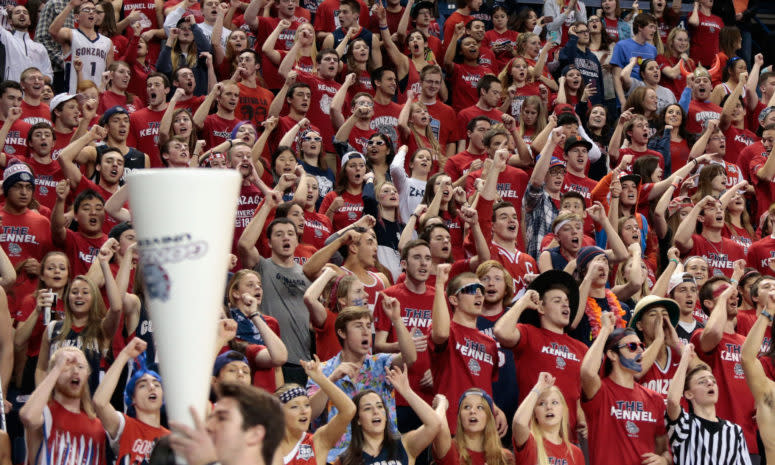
{"x":639,"y":325}
{"x":341,"y":333}
{"x":688,"y":394}
{"x":453,"y":299}
{"x":403,"y":264}
{"x":255,"y":435}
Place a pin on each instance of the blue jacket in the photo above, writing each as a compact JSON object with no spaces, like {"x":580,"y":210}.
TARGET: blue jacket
{"x":587,"y":63}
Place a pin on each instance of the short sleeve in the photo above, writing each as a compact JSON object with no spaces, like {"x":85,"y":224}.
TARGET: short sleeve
{"x":114,"y":441}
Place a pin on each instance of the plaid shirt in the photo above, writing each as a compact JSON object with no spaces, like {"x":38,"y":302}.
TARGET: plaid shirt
{"x":540,"y":211}
{"x":47,"y":15}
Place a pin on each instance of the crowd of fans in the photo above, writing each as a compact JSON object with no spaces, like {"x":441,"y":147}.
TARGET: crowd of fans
{"x":466,"y":234}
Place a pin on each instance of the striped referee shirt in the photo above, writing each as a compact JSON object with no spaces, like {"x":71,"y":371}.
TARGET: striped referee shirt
{"x":696,"y":441}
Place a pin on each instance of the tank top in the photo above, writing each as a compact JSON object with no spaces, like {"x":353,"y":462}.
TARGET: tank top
{"x":144,"y":331}
{"x":73,"y":339}
{"x":558,"y":261}
{"x":70,"y":438}
{"x":133,"y":160}
{"x":303,"y":453}
{"x":93,"y":54}
{"x":401,"y":458}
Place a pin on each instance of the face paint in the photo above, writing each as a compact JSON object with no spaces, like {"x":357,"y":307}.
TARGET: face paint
{"x":631,"y":363}
{"x":359,"y":302}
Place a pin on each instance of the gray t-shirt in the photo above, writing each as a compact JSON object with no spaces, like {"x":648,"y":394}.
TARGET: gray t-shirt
{"x":284,"y":299}
{"x":665,"y":97}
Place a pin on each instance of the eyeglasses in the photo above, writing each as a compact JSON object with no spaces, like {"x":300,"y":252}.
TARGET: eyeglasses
{"x":585,"y":31}
{"x":594,"y":20}
{"x":375,"y":142}
{"x":181,"y":29}
{"x":470,"y":289}
{"x":633,"y":346}
{"x":309,"y":138}
{"x":365,"y":104}
{"x":86,"y":10}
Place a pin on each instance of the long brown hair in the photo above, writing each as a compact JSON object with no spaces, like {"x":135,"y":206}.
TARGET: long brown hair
{"x":353,"y":455}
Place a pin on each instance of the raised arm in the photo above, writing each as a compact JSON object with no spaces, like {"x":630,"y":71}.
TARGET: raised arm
{"x":323,"y":256}
{"x":327,"y":435}
{"x":105,"y":411}
{"x":417,"y":440}
{"x":31,"y":414}
{"x":440,"y":314}
{"x":276,"y":354}
{"x":247,"y":242}
{"x":757,"y":380}
{"x":731,"y":103}
{"x":67,"y":157}
{"x":714,"y":327}
{"x":449,"y":55}
{"x":400,"y":60}
{"x":286,"y":65}
{"x":58,"y":222}
{"x":111,"y":320}
{"x":204,"y":108}
{"x":268,"y":48}
{"x":694,"y":18}
{"x":337,"y":103}
{"x":538,"y":177}
{"x":590,"y":365}
{"x":675,"y":391}
{"x":114,"y":206}
{"x":279,"y":100}
{"x":407,"y":350}
{"x":683,"y":235}
{"x":317,"y":311}
{"x":520,"y":427}
{"x":505,"y":330}
{"x":57,"y":27}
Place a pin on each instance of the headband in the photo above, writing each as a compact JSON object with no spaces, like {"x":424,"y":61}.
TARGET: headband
{"x":292,"y":393}
{"x":476,"y":392}
{"x":351,"y":155}
{"x":560,"y":225}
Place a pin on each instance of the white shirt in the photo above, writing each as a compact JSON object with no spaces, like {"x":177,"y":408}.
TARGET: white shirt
{"x":21,"y":52}
{"x":172,"y":20}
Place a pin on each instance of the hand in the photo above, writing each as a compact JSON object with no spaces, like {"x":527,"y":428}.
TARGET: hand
{"x":742,"y":78}
{"x":558,"y":136}
{"x":97,"y":133}
{"x":713,"y":125}
{"x":174,"y":33}
{"x":350,"y":79}
{"x":223,"y":9}
{"x":284,"y":24}
{"x":687,"y":351}
{"x":625,"y":162}
{"x":63,"y":189}
{"x":470,"y":216}
{"x":633,"y":61}
{"x":442,"y":274}
{"x":250,"y":301}
{"x":108,"y":250}
{"x":634,"y":249}
{"x":597,"y":213}
{"x":650,"y":458}
{"x":399,"y":378}
{"x":286,"y":180}
{"x":270,"y":124}
{"x":459,"y":195}
{"x":209,"y":60}
{"x":366,"y":221}
{"x":460,"y":29}
{"x":589,"y":91}
{"x":616,"y":187}
{"x":659,"y":330}
{"x":348,"y":369}
{"x":194,"y":444}
{"x":440,"y":401}
{"x":759,"y":59}
{"x":545,"y":381}
{"x":421,"y":345}
{"x":673,"y":254}
{"x":273,"y":199}
{"x":501,"y":424}
{"x":738,"y":269}
{"x":475,"y":165}
{"x":352,"y":33}
{"x":420,"y":210}
{"x":66,"y":359}
{"x":509,"y":122}
{"x":336,"y":204}
{"x":351,"y":236}
{"x":626,"y":116}
{"x":134,"y":348}
{"x":147,"y":36}
{"x":89,"y":109}
{"x":581,"y":430}
{"x":392,"y":307}
{"x":608,"y":320}
{"x":227,"y":330}
{"x":217,"y":89}
{"x":313,"y":368}
{"x":134,"y":17}
{"x":78,"y":63}
{"x":530,"y":300}
{"x":44,"y":298}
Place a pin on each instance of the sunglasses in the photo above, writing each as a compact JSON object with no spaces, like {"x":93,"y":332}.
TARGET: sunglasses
{"x":309,"y":138}
{"x":375,"y":142}
{"x":633,"y":346}
{"x":470,"y":289}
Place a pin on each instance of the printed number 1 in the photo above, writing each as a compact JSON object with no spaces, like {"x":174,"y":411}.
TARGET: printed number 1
{"x":93,"y":68}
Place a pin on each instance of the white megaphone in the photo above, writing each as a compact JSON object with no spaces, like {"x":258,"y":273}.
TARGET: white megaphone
{"x":184,"y":221}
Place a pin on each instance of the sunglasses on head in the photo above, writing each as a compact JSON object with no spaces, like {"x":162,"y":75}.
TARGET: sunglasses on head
{"x":376,"y":142}
{"x":470,"y":289}
{"x":633,"y":346}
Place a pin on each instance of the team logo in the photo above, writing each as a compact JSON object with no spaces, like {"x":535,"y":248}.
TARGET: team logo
{"x":157,"y":281}
{"x":325,"y":104}
{"x":318,"y":233}
{"x":14,"y":248}
{"x":305,"y":452}
{"x":43,"y":190}
{"x":739,"y":370}
{"x":474,"y":368}
{"x":560,"y":363}
{"x":632,"y":428}
{"x":10,"y":149}
{"x":352,"y":216}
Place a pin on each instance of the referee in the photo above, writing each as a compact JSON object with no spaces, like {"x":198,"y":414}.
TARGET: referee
{"x":699,"y":437}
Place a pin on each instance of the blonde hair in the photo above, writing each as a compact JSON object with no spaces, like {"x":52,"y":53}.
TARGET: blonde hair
{"x":313,"y":54}
{"x":234,"y":282}
{"x":487,"y":266}
{"x":538,"y":435}
{"x":92,"y":334}
{"x":428,"y":133}
{"x":621,"y":278}
{"x":492,"y":448}
{"x":86,"y":403}
{"x":542,"y":118}
{"x":671,"y":38}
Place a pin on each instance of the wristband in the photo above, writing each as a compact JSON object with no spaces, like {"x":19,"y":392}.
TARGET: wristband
{"x":767,"y":315}
{"x":253,"y":315}
{"x":381,"y":28}
{"x":675,"y":260}
{"x":733,"y":281}
{"x":231,"y":144}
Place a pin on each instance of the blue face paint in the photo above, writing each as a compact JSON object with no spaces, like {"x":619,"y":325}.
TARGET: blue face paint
{"x":359,"y":302}
{"x":631,"y":363}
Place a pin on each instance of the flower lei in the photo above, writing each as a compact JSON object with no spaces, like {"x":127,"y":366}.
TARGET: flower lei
{"x":594,"y":311}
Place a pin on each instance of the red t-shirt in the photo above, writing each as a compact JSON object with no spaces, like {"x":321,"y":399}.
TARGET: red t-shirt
{"x":676,"y":86}
{"x":455,"y":226}
{"x":464,"y":80}
{"x":679,"y":154}
{"x":555,"y":453}
{"x":80,"y":250}
{"x":192,"y":103}
{"x":735,"y":401}
{"x":253,"y":103}
{"x":22,"y":313}
{"x":699,"y":113}
{"x":512,"y":184}
{"x":583,"y":186}
{"x":350,"y":212}
{"x":522,"y":94}
{"x":137,"y":439}
{"x":284,"y":42}
{"x":612,"y":28}
{"x":385,"y":120}
{"x":721,"y":256}
{"x":458,"y":165}
{"x":326,"y":342}
{"x":765,"y":194}
{"x":639,"y":154}
{"x":517,"y":264}
{"x":24,"y":236}
{"x":416,"y":310}
{"x":493,"y":39}
{"x":444,"y":123}
{"x":467,"y":114}
{"x":449,"y":26}
{"x":468,"y":359}
{"x":658,"y":378}
{"x":327,"y":16}
{"x":761,"y":255}
{"x":359,"y":138}
{"x":69,"y":435}
{"x":705,"y":39}
{"x":623,"y":422}
{"x":323,"y":91}
{"x":47,"y":175}
{"x":16,"y":140}
{"x":317,"y":228}
{"x":217,"y":130}
{"x":477,"y":458}
{"x":62,"y":141}
{"x":739,"y":235}
{"x":748,"y":154}
{"x":35,"y":113}
{"x":247,"y":202}
{"x":540,"y":350}
{"x":110,"y":99}
{"x":745,"y":321}
{"x":304,"y":454}
{"x":737,"y":141}
{"x":144,"y":129}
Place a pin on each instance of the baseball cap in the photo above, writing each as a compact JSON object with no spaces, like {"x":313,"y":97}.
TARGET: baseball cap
{"x":227,"y":358}
{"x":60,"y":99}
{"x":112,"y":111}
